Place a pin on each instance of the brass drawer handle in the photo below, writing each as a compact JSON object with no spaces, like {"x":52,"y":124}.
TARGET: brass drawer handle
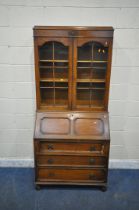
{"x":92,"y":148}
{"x":92,"y":176}
{"x":91,"y":160}
{"x":50,"y":147}
{"x":50,"y":161}
{"x":51,"y":174}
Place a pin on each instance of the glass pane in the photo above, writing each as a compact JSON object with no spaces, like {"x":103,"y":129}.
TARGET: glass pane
{"x":53,"y":66}
{"x":85,"y":52}
{"x":100,"y":53}
{"x":83,"y":97}
{"x":47,"y":96}
{"x":61,"y":96}
{"x":91,"y":74}
{"x":46,"y":51}
{"x":61,"y":52}
{"x":92,"y":51}
{"x":97,"y":98}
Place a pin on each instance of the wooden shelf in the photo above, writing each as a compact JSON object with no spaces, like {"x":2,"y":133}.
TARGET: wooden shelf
{"x":91,"y":67}
{"x":55,"y":61}
{"x":94,"y":103}
{"x":91,"y":61}
{"x":87,"y":106}
{"x":90,"y":88}
{"x":54,"y":87}
{"x":91,"y":80}
{"x":51,"y":102}
{"x":55,"y":67}
{"x":44,"y":105}
{"x":53,"y":80}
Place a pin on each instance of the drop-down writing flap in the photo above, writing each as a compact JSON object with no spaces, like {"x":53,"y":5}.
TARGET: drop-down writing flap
{"x":70,"y":125}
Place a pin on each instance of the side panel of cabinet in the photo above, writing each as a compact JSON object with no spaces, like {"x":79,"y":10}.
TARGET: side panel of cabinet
{"x":53,"y":70}
{"x":91,"y":73}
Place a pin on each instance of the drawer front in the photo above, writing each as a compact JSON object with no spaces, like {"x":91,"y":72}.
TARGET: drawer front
{"x":45,"y":174}
{"x":93,"y":148}
{"x":69,"y":160}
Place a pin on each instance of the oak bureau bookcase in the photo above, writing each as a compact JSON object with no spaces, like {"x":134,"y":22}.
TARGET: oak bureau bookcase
{"x":72,"y":137}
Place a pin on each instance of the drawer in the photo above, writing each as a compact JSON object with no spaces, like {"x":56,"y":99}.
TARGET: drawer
{"x":70,"y":160}
{"x":78,"y":175}
{"x":93,"y":148}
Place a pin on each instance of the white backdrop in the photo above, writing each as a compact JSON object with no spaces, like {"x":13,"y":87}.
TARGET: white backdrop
{"x":17,"y":85}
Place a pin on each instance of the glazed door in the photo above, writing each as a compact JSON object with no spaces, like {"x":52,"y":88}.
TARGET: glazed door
{"x":92,"y":59}
{"x":53,"y":73}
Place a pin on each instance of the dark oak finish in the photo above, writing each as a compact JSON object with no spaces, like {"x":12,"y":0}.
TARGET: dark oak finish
{"x":96,"y":148}
{"x":71,"y":160}
{"x":70,"y":125}
{"x":71,"y":175}
{"x":72,"y":138}
{"x":72,"y":67}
